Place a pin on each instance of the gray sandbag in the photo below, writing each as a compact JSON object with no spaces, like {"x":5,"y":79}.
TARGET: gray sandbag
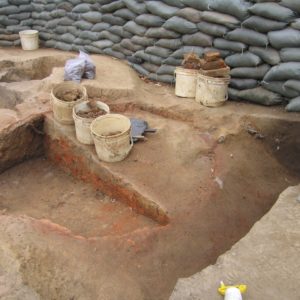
{"x":243,"y":84}
{"x":39,"y":22}
{"x":246,"y":59}
{"x":219,"y":18}
{"x":233,"y":94}
{"x":46,"y":36}
{"x":264,"y":25}
{"x":143,"y":41}
{"x":212,"y":29}
{"x":173,"y":44}
{"x":229,"y":45}
{"x":64,"y":5}
{"x":4,"y":3}
{"x":151,"y":68}
{"x":113,"y":6}
{"x":110,"y":36}
{"x":89,"y":35}
{"x":166,"y":70}
{"x":63,"y":46}
{"x":162,"y":78}
{"x":285,"y":38}
{"x":253,"y":73}
{"x":92,"y":49}
{"x":293,"y":85}
{"x":127,"y":43}
{"x":125,"y":13}
{"x":57,"y":13}
{"x":134,"y":60}
{"x":113,"y":53}
{"x":140,"y":69}
{"x":236,"y":8}
{"x":20,"y":16}
{"x":9,"y":10}
{"x":136,"y":7}
{"x":161,"y":33}
{"x":292,"y":4}
{"x":80,"y":41}
{"x":187,"y":49}
{"x":148,"y":20}
{"x":6,"y":43}
{"x":294,"y":105}
{"x":296,"y":24}
{"x":290,"y":54}
{"x":134,"y":28}
{"x":247,"y":36}
{"x":59,"y":29}
{"x":158,"y":51}
{"x":118,"y":30}
{"x":67,"y":38}
{"x":198,"y":4}
{"x":177,"y":3}
{"x":113,"y":20}
{"x":173,"y":61}
{"x":278,"y":87}
{"x":180,"y":25}
{"x":25,"y":8}
{"x":283,"y":71}
{"x":268,"y":55}
{"x":157,"y":60}
{"x":28,"y":22}
{"x":8,"y":22}
{"x":50,"y":43}
{"x":92,"y":17}
{"x":160,"y":9}
{"x":260,"y":95}
{"x":83,"y":25}
{"x":82,"y":8}
{"x":189,"y":14}
{"x":102,"y":44}
{"x":272,"y":11}
{"x":197,"y":39}
{"x":100,"y":26}
{"x":119,"y":48}
{"x":65,"y":21}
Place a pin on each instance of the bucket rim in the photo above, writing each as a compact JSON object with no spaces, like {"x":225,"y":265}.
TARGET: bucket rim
{"x":28,"y":32}
{"x":80,"y":87}
{"x":109,"y":116}
{"x":107,"y":110}
{"x":188,"y":71}
{"x":217,"y":79}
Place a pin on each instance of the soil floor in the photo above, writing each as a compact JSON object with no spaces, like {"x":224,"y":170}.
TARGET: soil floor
{"x":214,"y":172}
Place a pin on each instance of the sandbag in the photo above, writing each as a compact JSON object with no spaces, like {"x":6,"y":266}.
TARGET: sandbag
{"x":89,"y":35}
{"x":268,"y":55}
{"x":118,"y":30}
{"x":157,"y":60}
{"x":92,"y":17}
{"x":285,"y":38}
{"x":140,"y":69}
{"x":113,"y":6}
{"x":292,"y":85}
{"x":248,"y":37}
{"x":82,"y":8}
{"x":110,"y":36}
{"x":127,"y":43}
{"x":113,"y":53}
{"x":162,"y":78}
{"x":259,"y":95}
{"x":189,"y":14}
{"x":212,"y":29}
{"x":100,"y":26}
{"x":144,"y":41}
{"x":253,"y":73}
{"x":290,"y":54}
{"x":180,"y":25}
{"x":119,"y":48}
{"x":283,"y":71}
{"x":102,"y":44}
{"x":229,"y":45}
{"x":233,"y":94}
{"x":243,"y":84}
{"x":173,"y":44}
{"x":161,"y":33}
{"x":263,"y":25}
{"x":236,"y":8}
{"x":125,"y":13}
{"x":200,"y":5}
{"x":92,"y":49}
{"x":246,"y":59}
{"x":296,"y":24}
{"x":219,"y":18}
{"x":292,"y":4}
{"x":135,"y":6}
{"x":134,"y":28}
{"x":166,"y":69}
{"x":158,"y":51}
{"x":148,"y":20}
{"x":151,"y":68}
{"x":160,"y":9}
{"x":187,"y":49}
{"x":278,"y":87}
{"x":272,"y":11}
{"x":173,"y":61}
{"x":294,"y":105}
{"x":197,"y":39}
{"x":83,"y":25}
{"x":177,"y":3}
{"x":113,"y":20}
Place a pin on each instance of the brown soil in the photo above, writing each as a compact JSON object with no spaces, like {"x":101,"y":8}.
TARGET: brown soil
{"x":69,"y":96}
{"x":92,"y":114}
{"x":191,"y":61}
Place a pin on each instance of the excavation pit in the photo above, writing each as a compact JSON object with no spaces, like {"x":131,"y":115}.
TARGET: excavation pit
{"x":74,"y":227}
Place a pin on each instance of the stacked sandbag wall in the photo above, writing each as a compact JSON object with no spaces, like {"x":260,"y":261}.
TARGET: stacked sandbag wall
{"x":259,"y":39}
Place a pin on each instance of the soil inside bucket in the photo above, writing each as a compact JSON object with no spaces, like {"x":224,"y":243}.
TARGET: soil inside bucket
{"x":91,"y":114}
{"x":69,"y":95}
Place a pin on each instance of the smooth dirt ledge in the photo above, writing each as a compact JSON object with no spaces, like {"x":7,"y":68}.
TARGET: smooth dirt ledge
{"x":267,"y":259}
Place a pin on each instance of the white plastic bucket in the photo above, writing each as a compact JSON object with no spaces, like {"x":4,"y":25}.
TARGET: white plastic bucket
{"x":233,"y":293}
{"x":29,"y":39}
{"x":63,"y":110}
{"x":83,"y":125}
{"x":111,"y":135}
{"x":186,"y":81}
{"x":212,"y":91}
